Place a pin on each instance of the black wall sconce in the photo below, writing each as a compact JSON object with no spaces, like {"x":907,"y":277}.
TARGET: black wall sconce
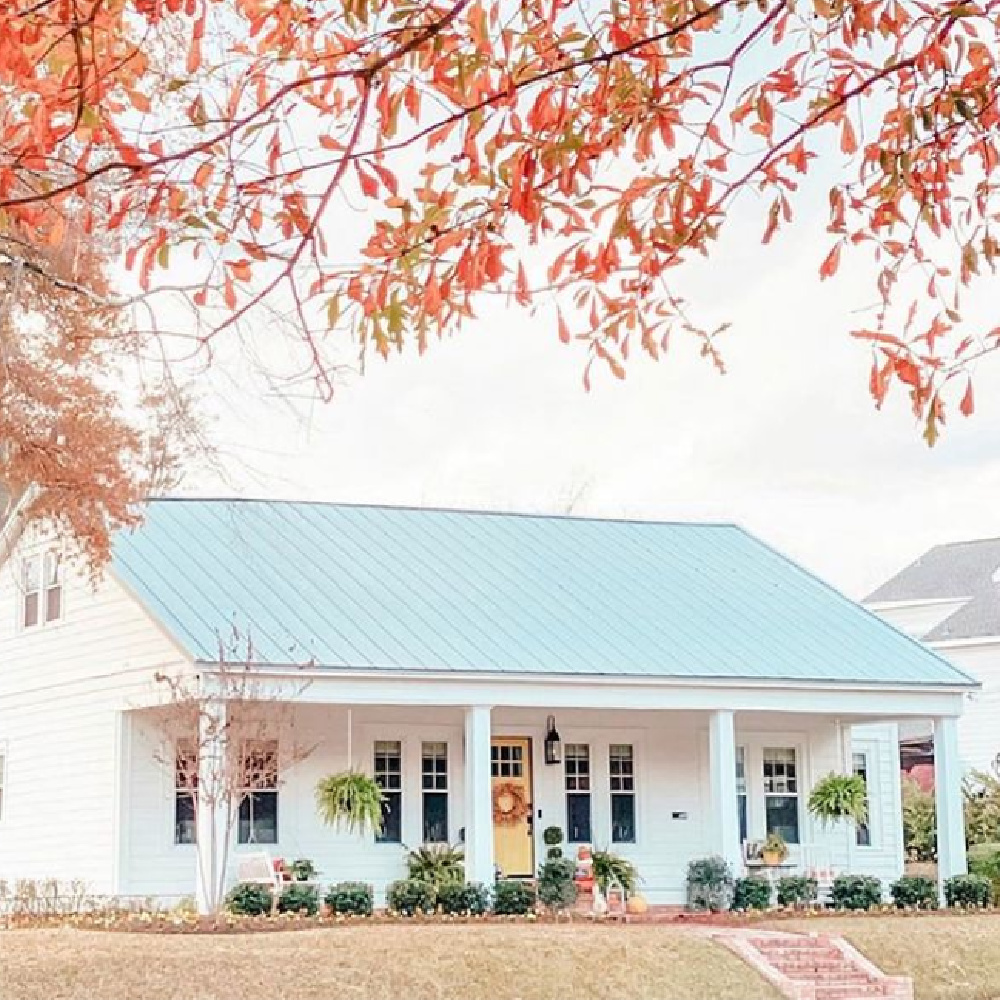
{"x":553,"y":745}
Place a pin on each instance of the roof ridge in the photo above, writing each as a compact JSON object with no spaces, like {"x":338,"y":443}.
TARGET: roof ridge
{"x":434,"y":508}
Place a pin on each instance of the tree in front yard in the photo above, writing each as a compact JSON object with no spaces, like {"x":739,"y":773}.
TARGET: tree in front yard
{"x":227,"y":737}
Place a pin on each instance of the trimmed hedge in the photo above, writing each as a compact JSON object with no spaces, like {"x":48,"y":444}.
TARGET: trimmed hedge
{"x":297,"y":898}
{"x":751,"y":894}
{"x":914,"y":892}
{"x":408,"y":897}
{"x":249,"y":900}
{"x":856,"y":892}
{"x":968,"y":890}
{"x":464,"y":898}
{"x":513,"y":898}
{"x":556,"y":888}
{"x":354,"y":898}
{"x":797,"y":890}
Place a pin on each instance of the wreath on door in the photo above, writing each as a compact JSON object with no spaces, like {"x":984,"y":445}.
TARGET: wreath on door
{"x":509,"y":804}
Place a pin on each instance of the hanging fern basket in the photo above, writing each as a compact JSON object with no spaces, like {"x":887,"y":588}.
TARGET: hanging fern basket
{"x":350,"y":801}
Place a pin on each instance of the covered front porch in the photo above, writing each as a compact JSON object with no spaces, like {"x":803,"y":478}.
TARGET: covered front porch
{"x":659,"y":773}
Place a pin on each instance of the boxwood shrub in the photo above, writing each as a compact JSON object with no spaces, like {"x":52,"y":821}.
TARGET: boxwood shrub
{"x":984,"y":859}
{"x":751,"y":894}
{"x":298,"y":898}
{"x":466,"y":898}
{"x":354,"y":898}
{"x":797,"y":890}
{"x":856,"y":892}
{"x":968,"y":890}
{"x":249,"y":900}
{"x":556,"y":888}
{"x":512,"y":897}
{"x":409,"y":897}
{"x":914,"y":892}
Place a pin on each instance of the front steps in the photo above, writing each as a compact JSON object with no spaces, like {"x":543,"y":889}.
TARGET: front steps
{"x":814,"y":967}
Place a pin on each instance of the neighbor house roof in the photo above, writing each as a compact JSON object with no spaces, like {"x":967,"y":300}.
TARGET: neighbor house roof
{"x":393,"y":588}
{"x":966,"y":571}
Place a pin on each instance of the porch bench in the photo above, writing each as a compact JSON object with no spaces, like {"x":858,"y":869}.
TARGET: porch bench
{"x":257,"y":868}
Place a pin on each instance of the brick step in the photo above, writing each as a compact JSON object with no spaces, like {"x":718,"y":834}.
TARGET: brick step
{"x":848,"y":991}
{"x":820,"y":955}
{"x":790,"y":941}
{"x":843,"y":972}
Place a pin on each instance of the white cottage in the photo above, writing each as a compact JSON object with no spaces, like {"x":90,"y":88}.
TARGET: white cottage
{"x":699,"y":684}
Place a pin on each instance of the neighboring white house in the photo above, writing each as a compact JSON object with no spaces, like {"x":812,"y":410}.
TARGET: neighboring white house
{"x":949,"y":598}
{"x":699,"y":682}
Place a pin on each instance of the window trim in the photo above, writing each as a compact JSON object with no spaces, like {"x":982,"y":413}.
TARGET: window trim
{"x":446,"y":790}
{"x":378,"y":839}
{"x":567,"y":792}
{"x":632,"y":793}
{"x":178,"y":791}
{"x":797,"y":794}
{"x":867,"y":751}
{"x":43,"y":558}
{"x":247,"y":791}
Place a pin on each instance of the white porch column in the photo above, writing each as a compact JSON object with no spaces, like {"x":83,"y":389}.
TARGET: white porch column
{"x":212,"y":809}
{"x":725,"y":833}
{"x":478,"y":796}
{"x":948,"y":799}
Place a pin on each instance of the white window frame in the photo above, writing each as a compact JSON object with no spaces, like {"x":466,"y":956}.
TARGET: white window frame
{"x":574,"y":779}
{"x":632,"y":792}
{"x":435,"y":789}
{"x":743,"y":790}
{"x":773,"y":747}
{"x":247,"y":790}
{"x":187,"y":746}
{"x":870,"y":754}
{"x":401,"y":790}
{"x":43,"y":561}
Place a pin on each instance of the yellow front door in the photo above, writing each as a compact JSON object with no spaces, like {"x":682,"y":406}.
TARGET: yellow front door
{"x":510,"y":767}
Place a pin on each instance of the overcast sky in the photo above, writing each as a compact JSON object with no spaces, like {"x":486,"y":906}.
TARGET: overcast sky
{"x":787,"y":443}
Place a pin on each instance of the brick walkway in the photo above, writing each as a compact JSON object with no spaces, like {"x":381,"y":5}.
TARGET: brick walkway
{"x":814,"y":967}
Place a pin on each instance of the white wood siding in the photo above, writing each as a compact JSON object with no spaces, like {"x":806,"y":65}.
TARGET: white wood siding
{"x":979,"y":726}
{"x":61,"y":688}
{"x":672,"y":807}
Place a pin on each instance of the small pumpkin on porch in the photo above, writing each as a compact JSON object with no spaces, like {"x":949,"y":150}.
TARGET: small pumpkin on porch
{"x":636,"y":904}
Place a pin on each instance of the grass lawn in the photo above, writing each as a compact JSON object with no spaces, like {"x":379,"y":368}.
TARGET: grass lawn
{"x":377,"y":963}
{"x":949,"y":957}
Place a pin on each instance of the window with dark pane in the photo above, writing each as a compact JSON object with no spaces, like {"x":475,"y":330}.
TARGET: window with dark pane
{"x":741,"y":792}
{"x":258,"y":819}
{"x":53,"y":586}
{"x":389,"y":777}
{"x":434,"y":784}
{"x":863,"y":831}
{"x":576,"y":765}
{"x":185,"y":790}
{"x":781,"y":793}
{"x":621,"y":769}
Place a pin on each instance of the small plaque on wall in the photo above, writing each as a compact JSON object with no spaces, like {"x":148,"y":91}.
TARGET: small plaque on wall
{"x":679,"y":815}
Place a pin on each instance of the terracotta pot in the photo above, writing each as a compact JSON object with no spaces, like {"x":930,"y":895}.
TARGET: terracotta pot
{"x":636,"y":904}
{"x":772,"y":858}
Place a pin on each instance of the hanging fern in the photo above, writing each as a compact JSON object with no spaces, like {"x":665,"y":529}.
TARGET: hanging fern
{"x":838,"y":797}
{"x":351,"y":801}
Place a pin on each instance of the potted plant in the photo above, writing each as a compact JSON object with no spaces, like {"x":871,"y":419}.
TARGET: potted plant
{"x":841,"y":798}
{"x":553,"y":838}
{"x":351,"y":800}
{"x":303,"y":870}
{"x":774,"y":851}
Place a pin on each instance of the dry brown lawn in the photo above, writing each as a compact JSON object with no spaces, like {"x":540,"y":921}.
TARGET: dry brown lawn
{"x":541,"y":962}
{"x":949,"y":957}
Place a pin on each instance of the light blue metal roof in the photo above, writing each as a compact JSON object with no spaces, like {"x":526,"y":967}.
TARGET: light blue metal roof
{"x":393,"y":588}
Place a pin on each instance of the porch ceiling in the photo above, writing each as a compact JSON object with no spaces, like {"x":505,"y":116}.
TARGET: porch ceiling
{"x":394,"y":589}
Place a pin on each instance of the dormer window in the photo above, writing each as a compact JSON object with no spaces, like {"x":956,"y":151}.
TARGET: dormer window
{"x":41,"y":584}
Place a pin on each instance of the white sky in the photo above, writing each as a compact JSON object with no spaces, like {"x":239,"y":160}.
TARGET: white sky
{"x":788,"y":443}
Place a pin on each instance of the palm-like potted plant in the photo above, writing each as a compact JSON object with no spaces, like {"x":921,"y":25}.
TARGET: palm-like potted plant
{"x":351,"y":801}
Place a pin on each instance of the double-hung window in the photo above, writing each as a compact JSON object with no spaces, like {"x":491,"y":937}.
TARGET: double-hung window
{"x":621,"y":773}
{"x":41,"y":586}
{"x":863,"y":831}
{"x":781,"y":793}
{"x":434,"y":782}
{"x":577,"y":776}
{"x":258,"y":819}
{"x":389,"y":777}
{"x":185,"y":790}
{"x":741,"y":792}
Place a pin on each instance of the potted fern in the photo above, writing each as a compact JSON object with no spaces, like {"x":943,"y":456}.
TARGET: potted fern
{"x":841,"y":798}
{"x":351,"y":801}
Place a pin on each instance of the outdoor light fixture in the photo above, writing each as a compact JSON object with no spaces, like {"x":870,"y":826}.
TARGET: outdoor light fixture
{"x":553,"y":745}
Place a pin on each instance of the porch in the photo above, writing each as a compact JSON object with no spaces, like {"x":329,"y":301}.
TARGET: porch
{"x":658,"y":785}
